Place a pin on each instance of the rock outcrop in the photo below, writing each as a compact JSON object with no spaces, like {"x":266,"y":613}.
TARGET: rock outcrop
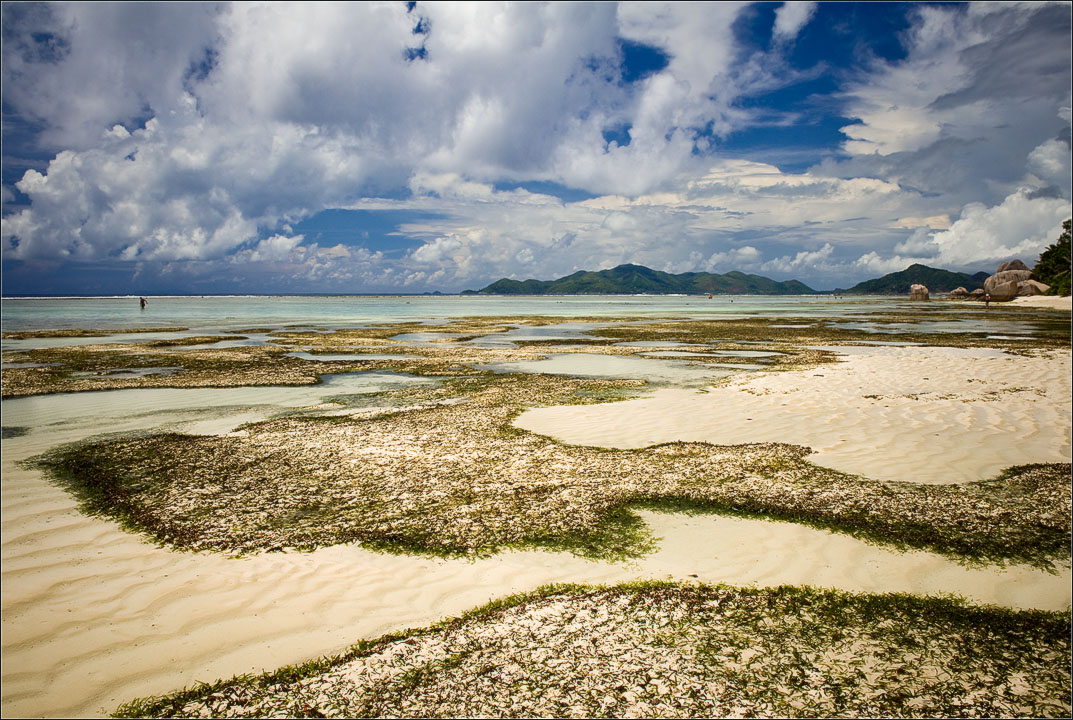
{"x":918,"y":292}
{"x":1032,"y":287}
{"x":1012,"y":279}
{"x":959,"y":293}
{"x":1011,"y":265}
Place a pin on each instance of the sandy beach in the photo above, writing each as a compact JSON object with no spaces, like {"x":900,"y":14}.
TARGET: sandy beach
{"x":1045,"y":301}
{"x":94,"y":616}
{"x":917,"y":414}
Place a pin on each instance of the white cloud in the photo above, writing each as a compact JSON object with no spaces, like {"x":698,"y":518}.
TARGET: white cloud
{"x":937,"y":222}
{"x":791,"y":17}
{"x":800,"y":260}
{"x":1020,"y":227}
{"x":274,"y":249}
{"x":196,"y":136}
{"x":115,"y":60}
{"x":734,"y":259}
{"x":980,"y":87}
{"x":1050,"y":161}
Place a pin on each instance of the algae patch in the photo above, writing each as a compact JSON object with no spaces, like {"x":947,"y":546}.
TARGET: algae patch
{"x":457,"y":478}
{"x":672,"y":650}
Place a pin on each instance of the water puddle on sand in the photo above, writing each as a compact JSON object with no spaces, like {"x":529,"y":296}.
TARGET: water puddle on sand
{"x":654,"y":344}
{"x":678,"y":354}
{"x":655,"y":370}
{"x":748,"y":353}
{"x":424,"y":338}
{"x":557,"y":332}
{"x":251,"y":340}
{"x":941,"y":326}
{"x":127,"y":373}
{"x":11,"y":345}
{"x":146,"y":408}
{"x":331,"y":357}
{"x":13,"y":366}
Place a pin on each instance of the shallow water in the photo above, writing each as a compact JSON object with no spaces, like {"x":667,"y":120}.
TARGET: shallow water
{"x":244,"y":312}
{"x":330,"y":357}
{"x":101,"y":409}
{"x":654,"y":370}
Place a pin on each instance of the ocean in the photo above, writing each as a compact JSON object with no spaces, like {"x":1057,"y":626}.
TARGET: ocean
{"x":222,"y":313}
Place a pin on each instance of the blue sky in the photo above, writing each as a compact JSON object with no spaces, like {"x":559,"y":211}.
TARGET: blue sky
{"x":411,"y":147}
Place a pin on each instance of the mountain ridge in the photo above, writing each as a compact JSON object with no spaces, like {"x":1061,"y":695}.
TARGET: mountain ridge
{"x":629,"y":279}
{"x":935,"y":279}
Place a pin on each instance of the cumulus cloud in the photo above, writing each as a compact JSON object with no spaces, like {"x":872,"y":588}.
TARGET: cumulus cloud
{"x":227,"y":120}
{"x":1020,"y":227}
{"x":1050,"y":162}
{"x":192,"y":138}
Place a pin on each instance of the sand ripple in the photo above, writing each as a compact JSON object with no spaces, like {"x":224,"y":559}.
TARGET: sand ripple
{"x":918,"y":414}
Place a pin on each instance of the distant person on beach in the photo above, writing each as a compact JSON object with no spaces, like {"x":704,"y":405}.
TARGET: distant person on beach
{"x":987,"y":300}
{"x":142,"y":302}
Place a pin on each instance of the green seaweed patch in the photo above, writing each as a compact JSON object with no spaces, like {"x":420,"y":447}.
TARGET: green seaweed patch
{"x":80,"y":332}
{"x":13,"y":431}
{"x":194,"y":340}
{"x":93,"y":367}
{"x":662,"y":649}
{"x":458,"y":478}
{"x":1048,"y":332}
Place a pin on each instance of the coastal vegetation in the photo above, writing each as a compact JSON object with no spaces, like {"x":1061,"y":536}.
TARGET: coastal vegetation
{"x":655,"y":649}
{"x":1054,"y":264}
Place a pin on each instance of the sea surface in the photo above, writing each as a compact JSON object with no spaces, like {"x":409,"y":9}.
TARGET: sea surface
{"x":202,"y":314}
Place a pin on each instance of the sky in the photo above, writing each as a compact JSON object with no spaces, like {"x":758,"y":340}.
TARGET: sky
{"x":216,"y":148}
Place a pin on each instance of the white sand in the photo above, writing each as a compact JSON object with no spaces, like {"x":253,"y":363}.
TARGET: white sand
{"x":1046,"y":301}
{"x":94,"y":616}
{"x":920,"y":414}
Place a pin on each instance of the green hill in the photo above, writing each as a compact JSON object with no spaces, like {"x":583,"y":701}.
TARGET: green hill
{"x":635,"y":279}
{"x":936,"y":280}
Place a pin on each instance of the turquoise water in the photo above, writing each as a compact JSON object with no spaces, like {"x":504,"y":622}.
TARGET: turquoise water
{"x":203,"y":314}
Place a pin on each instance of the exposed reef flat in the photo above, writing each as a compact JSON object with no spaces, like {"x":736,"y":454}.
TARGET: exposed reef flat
{"x":457,"y":478}
{"x":79,"y":368}
{"x":667,"y":650}
{"x":72,"y":579}
{"x":82,"y":332}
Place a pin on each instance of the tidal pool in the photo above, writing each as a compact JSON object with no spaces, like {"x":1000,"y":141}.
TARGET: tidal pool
{"x":655,"y":370}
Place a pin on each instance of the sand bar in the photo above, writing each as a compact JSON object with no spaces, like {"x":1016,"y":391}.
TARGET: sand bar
{"x":918,"y":414}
